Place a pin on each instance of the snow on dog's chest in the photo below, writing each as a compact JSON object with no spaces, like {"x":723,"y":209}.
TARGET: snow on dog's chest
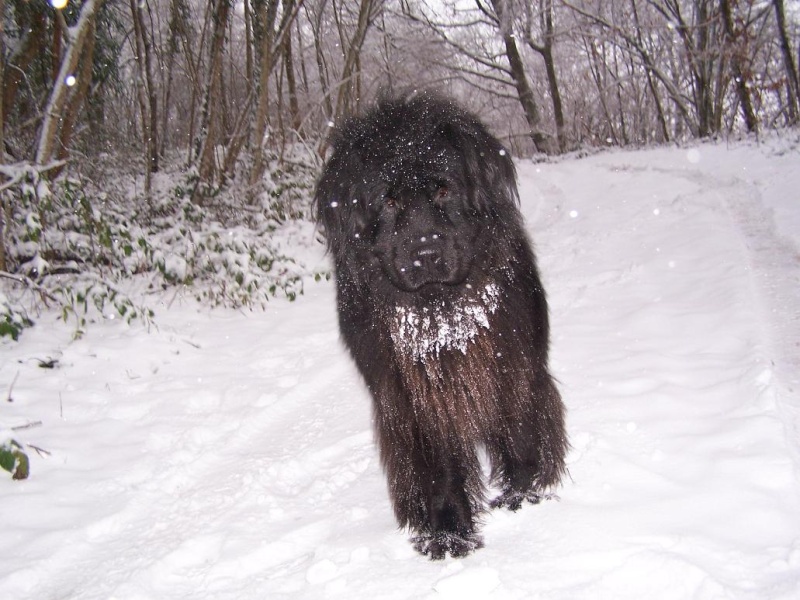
{"x":420,"y":332}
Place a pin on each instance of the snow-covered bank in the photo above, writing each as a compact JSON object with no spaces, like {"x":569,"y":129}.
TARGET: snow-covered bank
{"x":229,"y":454}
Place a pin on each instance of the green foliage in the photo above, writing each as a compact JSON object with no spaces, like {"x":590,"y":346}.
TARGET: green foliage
{"x":67,"y":251}
{"x":84,"y":247}
{"x":14,"y":460}
{"x":219,"y":249}
{"x":12,"y":319}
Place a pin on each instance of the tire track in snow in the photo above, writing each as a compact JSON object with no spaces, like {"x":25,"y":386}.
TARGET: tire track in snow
{"x":656,"y":343}
{"x":773,"y":264}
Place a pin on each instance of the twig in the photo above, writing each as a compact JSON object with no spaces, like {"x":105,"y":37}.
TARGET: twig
{"x":28,"y":282}
{"x":18,"y":172}
{"x":30,"y":425}
{"x":175,"y":295}
{"x":11,"y":388}
{"x":39,"y":451}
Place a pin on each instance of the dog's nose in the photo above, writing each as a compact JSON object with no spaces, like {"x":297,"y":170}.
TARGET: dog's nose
{"x":427,"y":252}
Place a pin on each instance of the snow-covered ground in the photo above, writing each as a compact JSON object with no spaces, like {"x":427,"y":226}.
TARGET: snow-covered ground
{"x":229,"y":454}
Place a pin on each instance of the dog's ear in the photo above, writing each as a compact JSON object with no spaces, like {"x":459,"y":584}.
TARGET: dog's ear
{"x":494,"y":176}
{"x":488,"y":169}
{"x":326,"y":199}
{"x":341,"y":203}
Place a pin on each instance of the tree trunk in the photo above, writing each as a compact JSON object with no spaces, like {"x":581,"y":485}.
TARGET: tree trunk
{"x":651,"y":84}
{"x":144,"y":90}
{"x":2,"y":119}
{"x":322,"y":65}
{"x":248,"y":47}
{"x":59,"y":26}
{"x":596,"y":63}
{"x":171,"y":51}
{"x":181,"y":24}
{"x":152,"y":97}
{"x":546,"y":51}
{"x":291,"y":83}
{"x":346,"y":97}
{"x":696,"y":41}
{"x":667,"y":78}
{"x":555,"y":95}
{"x":272,"y":40}
{"x":738,"y":68}
{"x":266,"y":64}
{"x":524,"y":92}
{"x":2,"y":133}
{"x":54,"y":111}
{"x":78,"y":96}
{"x":211,"y":128}
{"x":792,"y":76}
{"x":238,"y":137}
{"x":621,"y":109}
{"x":33,"y":37}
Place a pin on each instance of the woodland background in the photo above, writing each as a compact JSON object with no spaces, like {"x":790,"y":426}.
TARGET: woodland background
{"x":163,"y":142}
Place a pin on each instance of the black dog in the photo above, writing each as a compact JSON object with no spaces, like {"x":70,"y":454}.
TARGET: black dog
{"x":441,"y":306}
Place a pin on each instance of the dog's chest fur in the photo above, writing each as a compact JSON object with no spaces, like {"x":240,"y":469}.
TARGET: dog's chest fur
{"x":424,"y":333}
{"x":449,"y":362}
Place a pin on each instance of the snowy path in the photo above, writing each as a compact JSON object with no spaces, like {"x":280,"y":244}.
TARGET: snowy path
{"x":229,"y":455}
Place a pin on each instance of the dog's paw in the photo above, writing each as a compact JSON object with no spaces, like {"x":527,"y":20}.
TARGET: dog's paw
{"x":513,"y":499}
{"x":441,"y":543}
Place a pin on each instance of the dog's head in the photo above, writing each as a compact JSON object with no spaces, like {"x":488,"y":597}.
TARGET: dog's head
{"x":415,"y":183}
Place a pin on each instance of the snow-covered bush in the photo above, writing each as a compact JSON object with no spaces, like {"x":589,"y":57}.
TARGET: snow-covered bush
{"x":12,"y":319}
{"x":98,"y":246}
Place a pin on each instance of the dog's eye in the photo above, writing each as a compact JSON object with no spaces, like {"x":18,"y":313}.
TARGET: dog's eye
{"x":389,"y":202}
{"x":441,"y":193}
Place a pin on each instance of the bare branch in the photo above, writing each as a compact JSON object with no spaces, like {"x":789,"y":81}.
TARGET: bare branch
{"x":32,"y":285}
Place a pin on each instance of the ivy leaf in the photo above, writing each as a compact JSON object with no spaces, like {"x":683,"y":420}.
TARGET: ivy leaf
{"x":14,"y":460}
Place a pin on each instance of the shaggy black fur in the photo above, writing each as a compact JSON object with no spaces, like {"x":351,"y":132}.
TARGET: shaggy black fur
{"x":442,"y":309}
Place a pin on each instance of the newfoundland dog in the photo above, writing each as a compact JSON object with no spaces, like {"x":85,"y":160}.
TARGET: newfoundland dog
{"x":442,"y":309}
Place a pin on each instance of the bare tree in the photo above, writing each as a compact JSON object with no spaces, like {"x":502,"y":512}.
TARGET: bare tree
{"x":316,"y":18}
{"x":57,"y":114}
{"x":790,"y":66}
{"x":274,"y":33}
{"x":698,"y":32}
{"x":627,"y":40}
{"x":32,"y":24}
{"x":80,"y":90}
{"x":2,"y":115}
{"x":545,"y":49}
{"x":3,"y":266}
{"x":234,"y":85}
{"x":348,"y":80}
{"x":499,"y":71}
{"x":739,"y":68}
{"x":527,"y":99}
{"x":146,"y":92}
{"x":651,"y":81}
{"x":211,"y":128}
{"x":291,"y":82}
